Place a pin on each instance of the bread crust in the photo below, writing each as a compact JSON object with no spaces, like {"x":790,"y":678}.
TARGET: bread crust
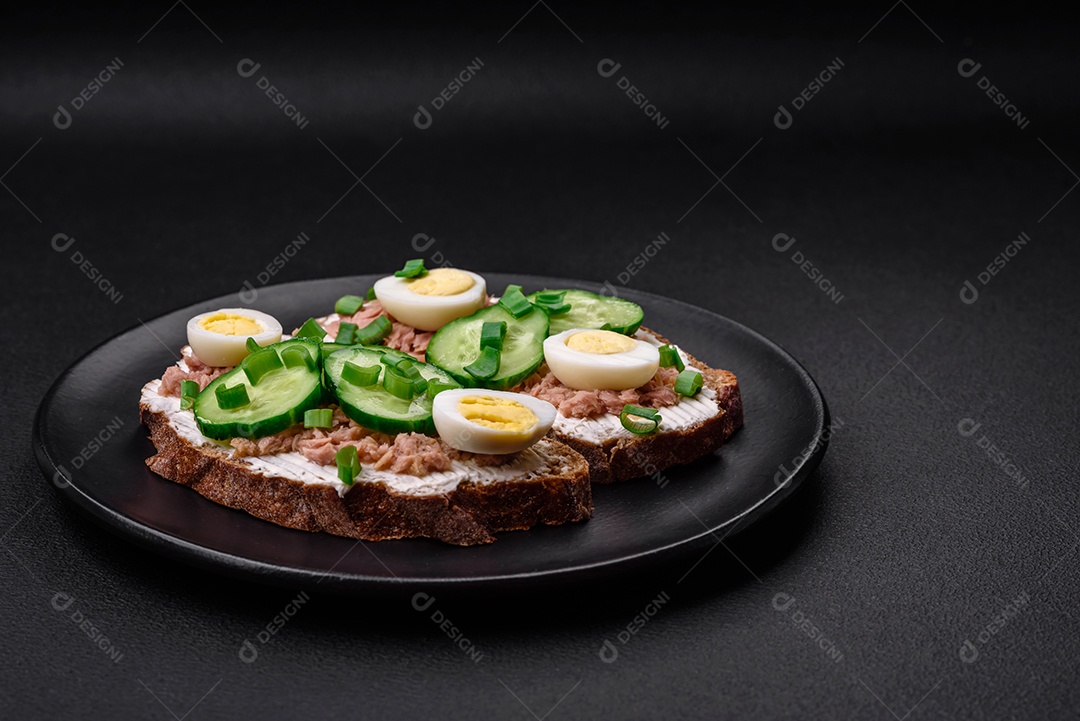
{"x":468,"y":515}
{"x":620,"y":459}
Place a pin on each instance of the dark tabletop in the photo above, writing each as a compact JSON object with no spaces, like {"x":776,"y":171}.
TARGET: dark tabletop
{"x":927,"y":570}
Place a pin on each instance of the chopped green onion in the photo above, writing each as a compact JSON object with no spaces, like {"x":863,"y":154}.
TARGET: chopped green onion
{"x":319,"y":418}
{"x":638,"y":420}
{"x":434,"y":388}
{"x":413,"y":269}
{"x":311,"y":329}
{"x":188,"y":391}
{"x":348,"y":304}
{"x":688,"y":383}
{"x":553,"y":301}
{"x":669,"y":357}
{"x":370,"y":293}
{"x":348,"y":465}
{"x":405,"y":369}
{"x":556,"y":309}
{"x":514,"y":302}
{"x":260,"y":363}
{"x":252,"y":345}
{"x":408,"y":370}
{"x":293,"y":357}
{"x":486,"y":364}
{"x":375,"y":331}
{"x":235,"y":397}
{"x":404,"y":366}
{"x":346,"y":334}
{"x":360,"y":375}
{"x":393,"y":360}
{"x":399,"y":385}
{"x":492,"y":334}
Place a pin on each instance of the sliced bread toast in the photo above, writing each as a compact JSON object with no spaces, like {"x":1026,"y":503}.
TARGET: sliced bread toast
{"x":547,"y":483}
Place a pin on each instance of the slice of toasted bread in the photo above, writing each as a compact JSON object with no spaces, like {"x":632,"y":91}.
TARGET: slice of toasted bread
{"x":548,"y":483}
{"x":694,"y":428}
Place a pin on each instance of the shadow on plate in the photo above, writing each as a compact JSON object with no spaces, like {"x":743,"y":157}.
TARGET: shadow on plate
{"x":744,"y":557}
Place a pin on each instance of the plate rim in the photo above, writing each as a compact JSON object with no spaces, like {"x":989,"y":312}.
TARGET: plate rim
{"x":215,"y":560}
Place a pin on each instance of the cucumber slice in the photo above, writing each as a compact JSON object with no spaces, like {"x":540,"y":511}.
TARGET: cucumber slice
{"x":457,"y":344}
{"x":276,"y":403}
{"x":375,"y":407}
{"x":589,"y":310}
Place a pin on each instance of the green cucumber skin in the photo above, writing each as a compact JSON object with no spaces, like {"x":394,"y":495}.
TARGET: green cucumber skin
{"x":569,"y":320}
{"x":206,"y":402}
{"x":352,"y":399}
{"x":325,"y":351}
{"x":530,"y":330}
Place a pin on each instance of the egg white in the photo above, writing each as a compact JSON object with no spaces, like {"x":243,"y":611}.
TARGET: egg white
{"x":429,"y":312}
{"x":605,"y":371}
{"x":464,"y":435}
{"x":216,"y":349}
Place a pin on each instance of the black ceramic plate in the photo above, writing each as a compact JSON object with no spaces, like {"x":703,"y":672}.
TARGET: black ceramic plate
{"x":91,"y":447}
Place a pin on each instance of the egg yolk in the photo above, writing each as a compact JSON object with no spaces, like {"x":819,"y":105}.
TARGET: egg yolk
{"x":230,"y":324}
{"x":499,"y":413}
{"x":601,"y":342}
{"x":442,"y":281}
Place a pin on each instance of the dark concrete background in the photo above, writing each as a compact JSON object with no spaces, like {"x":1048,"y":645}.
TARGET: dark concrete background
{"x":900,"y":180}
